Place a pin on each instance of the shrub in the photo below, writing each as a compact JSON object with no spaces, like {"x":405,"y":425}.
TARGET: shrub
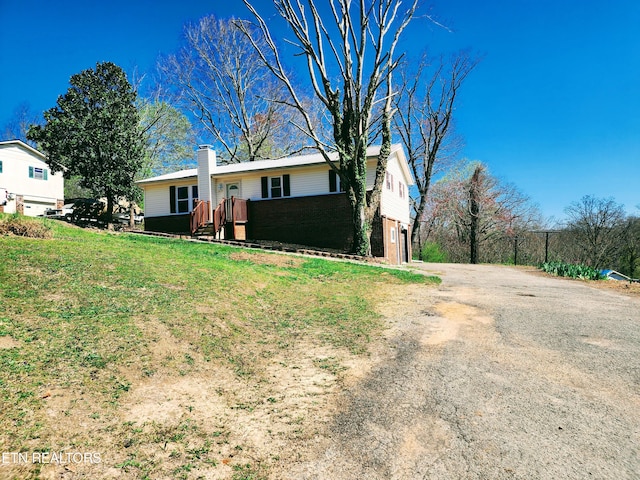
{"x":24,"y":227}
{"x":562,"y":269}
{"x":431,"y":252}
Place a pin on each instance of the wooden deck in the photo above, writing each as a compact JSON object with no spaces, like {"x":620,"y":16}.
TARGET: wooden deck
{"x":230,"y":216}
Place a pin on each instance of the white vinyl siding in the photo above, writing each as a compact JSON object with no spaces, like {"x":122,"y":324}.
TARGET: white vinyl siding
{"x":157,"y":201}
{"x":392,"y":203}
{"x":303,"y":182}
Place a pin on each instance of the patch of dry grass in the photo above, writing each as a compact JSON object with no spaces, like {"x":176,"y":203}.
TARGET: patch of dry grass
{"x":24,"y":227}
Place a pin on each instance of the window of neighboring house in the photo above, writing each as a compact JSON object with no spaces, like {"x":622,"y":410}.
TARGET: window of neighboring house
{"x":0,"y":166}
{"x":389,"y":181}
{"x":38,"y":173}
{"x":401,"y":189}
{"x":276,"y":187}
{"x":182,"y":199}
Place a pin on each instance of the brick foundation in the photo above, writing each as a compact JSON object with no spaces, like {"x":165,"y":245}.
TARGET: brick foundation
{"x":169,"y":224}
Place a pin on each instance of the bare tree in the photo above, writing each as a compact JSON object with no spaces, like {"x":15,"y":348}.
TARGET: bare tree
{"x":18,"y":125}
{"x":595,"y":224}
{"x":350,"y":56}
{"x":471,"y":208}
{"x":168,"y":137}
{"x":629,"y":261}
{"x":219,"y":77}
{"x":424,"y":121}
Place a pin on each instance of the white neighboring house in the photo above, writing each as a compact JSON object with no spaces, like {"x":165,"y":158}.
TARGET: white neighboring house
{"x":27,"y":185}
{"x":292,"y":200}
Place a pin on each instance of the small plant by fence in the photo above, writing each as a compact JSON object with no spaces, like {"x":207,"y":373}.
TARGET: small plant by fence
{"x":562,"y":269}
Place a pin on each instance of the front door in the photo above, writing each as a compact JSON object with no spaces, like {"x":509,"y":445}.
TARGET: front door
{"x":233,"y":190}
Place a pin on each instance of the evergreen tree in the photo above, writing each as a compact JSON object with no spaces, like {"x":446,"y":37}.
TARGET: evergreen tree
{"x":94,"y":133}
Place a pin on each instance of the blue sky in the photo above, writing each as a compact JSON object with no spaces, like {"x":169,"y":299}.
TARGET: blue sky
{"x":553,"y":107}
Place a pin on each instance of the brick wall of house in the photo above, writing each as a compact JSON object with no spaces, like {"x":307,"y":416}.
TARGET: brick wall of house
{"x":397,"y":244}
{"x":377,"y":237}
{"x":319,"y":221}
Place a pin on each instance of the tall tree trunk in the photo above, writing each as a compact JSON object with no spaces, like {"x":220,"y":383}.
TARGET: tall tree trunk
{"x":423,"y":187}
{"x":361,"y":232}
{"x":361,"y":224}
{"x":474,"y":211}
{"x":109,"y":213}
{"x":416,"y":231}
{"x":132,"y":215}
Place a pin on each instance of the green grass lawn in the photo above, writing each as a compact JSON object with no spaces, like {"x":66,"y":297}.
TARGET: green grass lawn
{"x":76,"y":311}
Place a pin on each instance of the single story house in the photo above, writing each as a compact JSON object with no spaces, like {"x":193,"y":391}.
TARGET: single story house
{"x":291,"y":200}
{"x":27,"y":185}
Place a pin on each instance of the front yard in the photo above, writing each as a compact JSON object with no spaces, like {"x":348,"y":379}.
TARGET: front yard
{"x":131,"y":357}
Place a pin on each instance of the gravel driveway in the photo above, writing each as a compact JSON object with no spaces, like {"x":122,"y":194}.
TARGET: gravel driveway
{"x":498,"y":373}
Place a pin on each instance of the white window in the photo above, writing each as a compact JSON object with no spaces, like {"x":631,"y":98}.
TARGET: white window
{"x":183,"y":199}
{"x":276,"y":187}
{"x":389,"y":181}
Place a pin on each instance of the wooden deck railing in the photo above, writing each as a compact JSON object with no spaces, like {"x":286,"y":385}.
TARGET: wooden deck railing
{"x":199,"y":215}
{"x":229,"y":211}
{"x":219,"y":217}
{"x":240,"y":214}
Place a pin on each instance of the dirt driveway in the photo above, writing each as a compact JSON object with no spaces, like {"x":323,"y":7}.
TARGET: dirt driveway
{"x":498,"y":373}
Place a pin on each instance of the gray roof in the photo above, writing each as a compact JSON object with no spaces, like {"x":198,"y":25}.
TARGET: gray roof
{"x":258,"y":165}
{"x":191,"y":172}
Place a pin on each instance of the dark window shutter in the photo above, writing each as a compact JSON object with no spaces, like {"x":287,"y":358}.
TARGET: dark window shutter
{"x":30,"y":172}
{"x":265,"y":187}
{"x":333,"y":184}
{"x":172,"y":198}
{"x":286,"y":186}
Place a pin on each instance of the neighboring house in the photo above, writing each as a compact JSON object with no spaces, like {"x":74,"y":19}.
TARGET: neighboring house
{"x":613,"y":275}
{"x":27,"y":185}
{"x":291,"y":200}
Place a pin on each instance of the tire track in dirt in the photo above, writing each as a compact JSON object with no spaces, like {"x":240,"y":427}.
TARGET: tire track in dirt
{"x":386,"y":428}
